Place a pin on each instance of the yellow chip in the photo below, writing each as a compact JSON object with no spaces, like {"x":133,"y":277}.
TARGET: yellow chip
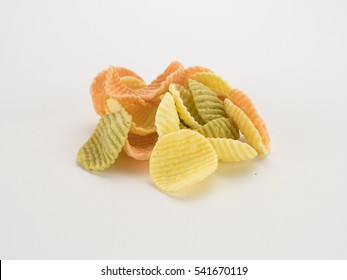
{"x":143,"y":114}
{"x":181,"y":159}
{"x":246,"y":127}
{"x":166,"y":118}
{"x":185,"y":106}
{"x":207,"y":103}
{"x":213,"y":81}
{"x":108,"y":139}
{"x":132,"y":82}
{"x":229,"y":150}
{"x":219,"y":128}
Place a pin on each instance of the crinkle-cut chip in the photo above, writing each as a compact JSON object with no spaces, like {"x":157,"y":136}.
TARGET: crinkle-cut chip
{"x":213,"y":81}
{"x":97,"y":91}
{"x":143,"y":114}
{"x":97,"y":88}
{"x":190,"y":71}
{"x":246,"y":127}
{"x":207,"y":103}
{"x":114,"y":88}
{"x":180,"y":159}
{"x":219,"y":128}
{"x":140,"y":147}
{"x":188,"y":102}
{"x":242,"y":101}
{"x":102,"y":148}
{"x":183,"y":125}
{"x":186,"y":110}
{"x":229,"y":150}
{"x":166,"y":118}
{"x":132,"y":82}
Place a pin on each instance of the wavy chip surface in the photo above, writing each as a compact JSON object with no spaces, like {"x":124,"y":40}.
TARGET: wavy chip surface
{"x":207,"y":103}
{"x":140,"y":147}
{"x":246,"y":127}
{"x":181,"y":159}
{"x":132,"y":82}
{"x":242,"y":101}
{"x":213,"y":81}
{"x":143,"y":114}
{"x":229,"y":150}
{"x":108,"y":139}
{"x":219,"y":128}
{"x":166,"y":119}
{"x":114,"y":88}
{"x":185,"y":106}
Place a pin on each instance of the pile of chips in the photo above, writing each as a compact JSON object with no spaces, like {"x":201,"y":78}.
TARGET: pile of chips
{"x":183,"y":122}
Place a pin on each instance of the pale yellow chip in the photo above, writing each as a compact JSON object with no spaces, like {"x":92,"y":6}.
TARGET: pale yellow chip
{"x":206,"y":101}
{"x":246,"y":127}
{"x":219,"y":128}
{"x":229,"y":150}
{"x":132,"y":82}
{"x":166,"y":118}
{"x":143,"y":114}
{"x":102,"y":148}
{"x":181,"y":159}
{"x":185,"y":106}
{"x":213,"y":81}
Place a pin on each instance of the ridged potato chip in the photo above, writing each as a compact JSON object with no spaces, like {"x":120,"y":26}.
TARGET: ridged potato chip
{"x":246,"y":127}
{"x":219,"y":128}
{"x":242,"y":101}
{"x":114,"y":88}
{"x":108,"y":139}
{"x":185,"y":106}
{"x":190,"y":71}
{"x":213,"y":81}
{"x":166,"y":118}
{"x":180,"y":159}
{"x":207,"y":103}
{"x":143,"y":114}
{"x":97,"y":88}
{"x":140,"y":147}
{"x":229,"y":150}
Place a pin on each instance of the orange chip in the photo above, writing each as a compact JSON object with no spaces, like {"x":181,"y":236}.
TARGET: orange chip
{"x":97,"y":88}
{"x":114,"y":88}
{"x":140,"y":147}
{"x":242,"y":101}
{"x":190,"y":71}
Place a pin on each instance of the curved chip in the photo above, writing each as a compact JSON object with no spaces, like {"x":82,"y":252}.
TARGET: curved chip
{"x":207,"y":103}
{"x":140,"y":147}
{"x":213,"y":81}
{"x":246,"y":127}
{"x":190,"y":71}
{"x":219,"y":128}
{"x":242,"y":101}
{"x":143,"y":114}
{"x":132,"y":82}
{"x":180,"y":159}
{"x":166,"y":118}
{"x":229,"y":150}
{"x":104,"y":145}
{"x":114,"y":88}
{"x":185,"y":106}
{"x":97,"y":88}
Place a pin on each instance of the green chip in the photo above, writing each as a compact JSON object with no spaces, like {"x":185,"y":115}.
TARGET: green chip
{"x":102,"y":148}
{"x":220,"y":128}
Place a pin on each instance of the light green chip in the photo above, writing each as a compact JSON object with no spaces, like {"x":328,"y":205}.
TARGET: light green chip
{"x":102,"y":148}
{"x":219,"y":128}
{"x":207,"y":103}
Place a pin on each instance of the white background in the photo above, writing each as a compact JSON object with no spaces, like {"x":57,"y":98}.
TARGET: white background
{"x":289,"y":56}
